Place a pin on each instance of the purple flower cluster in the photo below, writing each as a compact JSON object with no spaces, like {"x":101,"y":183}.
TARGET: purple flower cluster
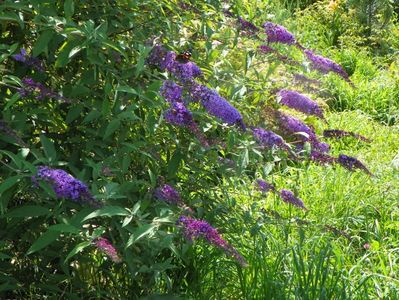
{"x":65,"y":185}
{"x":321,"y":158}
{"x":29,"y":61}
{"x":289,"y":197}
{"x":106,"y":247}
{"x":194,"y":229}
{"x":216,"y":105}
{"x":352,"y":163}
{"x":292,"y":125}
{"x":267,"y":138}
{"x":264,"y":186}
{"x":179,"y":115}
{"x":300,"y":102}
{"x":167,"y":61}
{"x":247,"y":26}
{"x":337,"y":133}
{"x":325,"y":65}
{"x":171,"y":91}
{"x":265,"y":49}
{"x":38,"y":90}
{"x":278,"y":34}
{"x":168,"y":194}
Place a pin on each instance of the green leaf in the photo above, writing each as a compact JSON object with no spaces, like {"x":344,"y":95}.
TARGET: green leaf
{"x":94,"y":114}
{"x":108,"y":211}
{"x":69,"y":8}
{"x":139,"y":233}
{"x":67,"y":50}
{"x":64,"y":228}
{"x":78,"y":248}
{"x":4,"y":256}
{"x":174,"y":163}
{"x":73,"y":113}
{"x":49,"y":149}
{"x":42,"y":42}
{"x":126,"y":89}
{"x":28,"y":211}
{"x":112,"y":127}
{"x":9,"y":182}
{"x":11,"y":102}
{"x":44,"y":240}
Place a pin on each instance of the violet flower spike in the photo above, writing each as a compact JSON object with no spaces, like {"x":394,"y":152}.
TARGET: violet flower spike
{"x":264,"y":186}
{"x":65,"y":185}
{"x":179,"y":115}
{"x":106,"y":247}
{"x":300,"y":103}
{"x":292,"y":125}
{"x":289,"y":197}
{"x":278,"y":34}
{"x":325,"y":65}
{"x":194,"y":229}
{"x":321,"y":158}
{"x":267,"y":138}
{"x":352,"y":163}
{"x":29,"y":61}
{"x":171,"y":91}
{"x":247,"y":27}
{"x":168,"y":194}
{"x":217,"y":105}
{"x":337,"y":133}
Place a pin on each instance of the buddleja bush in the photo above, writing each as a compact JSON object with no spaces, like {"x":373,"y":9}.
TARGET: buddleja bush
{"x":104,"y":183}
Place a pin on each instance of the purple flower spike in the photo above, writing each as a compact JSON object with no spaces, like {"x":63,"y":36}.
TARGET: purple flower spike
{"x":168,"y":194}
{"x":106,"y":247}
{"x":320,"y":146}
{"x":179,"y":115}
{"x":38,"y":90}
{"x":352,"y":163}
{"x":267,"y":138}
{"x":265,"y":49}
{"x":337,"y":133}
{"x":217,"y":105}
{"x":321,"y":158}
{"x":29,"y":61}
{"x":289,"y":197}
{"x":300,"y":102}
{"x":325,"y":65}
{"x":264,"y":186}
{"x":171,"y":91}
{"x":278,"y":34}
{"x":292,"y":125}
{"x":65,"y":185}
{"x":185,"y":72}
{"x":156,"y":56}
{"x":194,"y":229}
{"x":247,"y":26}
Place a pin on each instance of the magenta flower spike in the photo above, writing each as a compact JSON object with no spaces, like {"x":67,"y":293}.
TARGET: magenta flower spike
{"x":194,"y":229}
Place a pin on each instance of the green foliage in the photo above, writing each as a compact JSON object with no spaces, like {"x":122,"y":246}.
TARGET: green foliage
{"x":102,"y":121}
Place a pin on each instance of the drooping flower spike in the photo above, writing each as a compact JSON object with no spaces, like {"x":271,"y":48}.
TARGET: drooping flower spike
{"x":216,"y":105}
{"x":29,"y":61}
{"x":325,"y":65}
{"x":194,"y":229}
{"x":300,"y":103}
{"x":105,"y":246}
{"x":278,"y":34}
{"x":65,"y":185}
{"x":264,"y":186}
{"x":289,"y":197}
{"x":352,"y":163}
{"x":337,"y":133}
